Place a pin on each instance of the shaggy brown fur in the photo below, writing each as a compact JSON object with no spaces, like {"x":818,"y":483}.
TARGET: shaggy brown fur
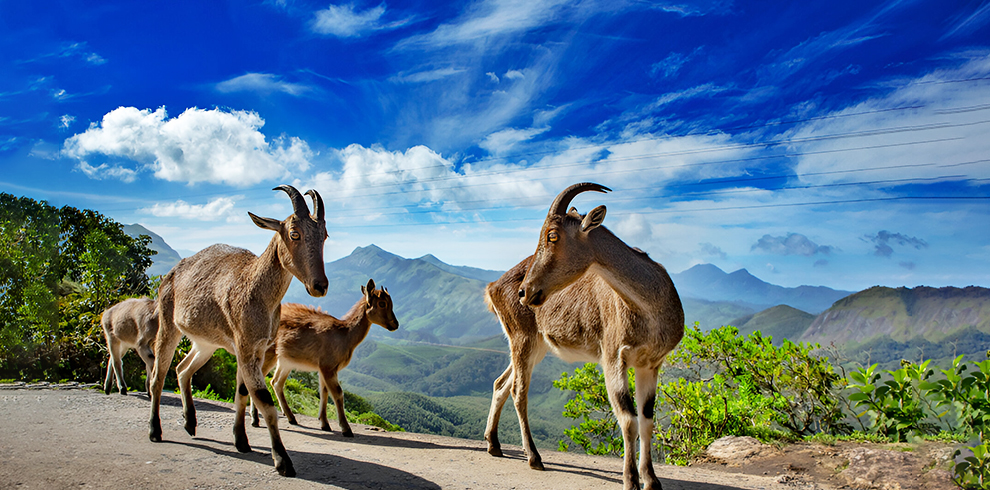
{"x":227,"y":297}
{"x":130,"y":324}
{"x":309,"y":339}
{"x":593,"y":298}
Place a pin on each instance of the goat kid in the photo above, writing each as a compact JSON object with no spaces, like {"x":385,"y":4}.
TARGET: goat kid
{"x":227,"y":297}
{"x":310,"y":340}
{"x":594,"y":298}
{"x":130,"y":324}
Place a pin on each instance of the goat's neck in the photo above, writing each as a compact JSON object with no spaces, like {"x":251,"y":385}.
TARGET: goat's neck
{"x":268,"y":279}
{"x":357,"y":323}
{"x":639,"y":281}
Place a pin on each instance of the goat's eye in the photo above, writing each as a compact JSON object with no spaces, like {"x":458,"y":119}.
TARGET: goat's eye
{"x":294,"y":235}
{"x":382,"y":304}
{"x":552,"y":236}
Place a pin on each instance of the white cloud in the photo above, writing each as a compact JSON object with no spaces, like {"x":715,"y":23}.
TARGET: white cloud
{"x":105,"y":171}
{"x":426,"y":76}
{"x":197,"y":146}
{"x":216,"y":210}
{"x":65,"y":121}
{"x":503,"y":141}
{"x":942,"y":133}
{"x":263,"y":83}
{"x":344,"y":22}
{"x":514,"y":75}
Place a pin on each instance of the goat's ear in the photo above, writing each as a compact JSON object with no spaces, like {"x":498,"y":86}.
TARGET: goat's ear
{"x":573,"y":212}
{"x":371,"y":285}
{"x":266,"y":223}
{"x":593,"y":219}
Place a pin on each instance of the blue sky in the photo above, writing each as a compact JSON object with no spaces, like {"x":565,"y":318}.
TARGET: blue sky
{"x":842,"y":143}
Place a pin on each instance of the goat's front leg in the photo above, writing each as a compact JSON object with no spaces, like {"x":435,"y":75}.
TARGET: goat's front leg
{"x":524,"y":359}
{"x":617,"y":385}
{"x":168,"y":340}
{"x":251,"y":382}
{"x":338,"y":401}
{"x":278,"y":385}
{"x":500,"y":393}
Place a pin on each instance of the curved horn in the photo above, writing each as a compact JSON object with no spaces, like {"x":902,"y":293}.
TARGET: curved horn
{"x":298,"y":202}
{"x":317,"y":204}
{"x":559,"y":206}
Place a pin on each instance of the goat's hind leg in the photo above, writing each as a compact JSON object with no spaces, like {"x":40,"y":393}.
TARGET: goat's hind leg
{"x":333,"y":385}
{"x":500,"y":393}
{"x":197,"y":357}
{"x":646,"y":400}
{"x":168,"y":340}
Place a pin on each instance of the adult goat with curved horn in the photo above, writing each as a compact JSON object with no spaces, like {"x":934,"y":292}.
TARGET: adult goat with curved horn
{"x":587,"y":296}
{"x":227,"y":297}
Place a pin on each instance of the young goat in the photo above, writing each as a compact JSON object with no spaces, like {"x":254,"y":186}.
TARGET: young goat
{"x":311,"y":340}
{"x":130,"y":324}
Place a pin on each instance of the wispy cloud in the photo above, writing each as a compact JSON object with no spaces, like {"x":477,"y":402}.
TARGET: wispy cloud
{"x":345,"y":22}
{"x":218,"y":209}
{"x":196,"y":146}
{"x":77,"y":50}
{"x":105,"y":171}
{"x":262,"y":83}
{"x":792,"y":244}
{"x":426,"y":75}
{"x":884,"y":239}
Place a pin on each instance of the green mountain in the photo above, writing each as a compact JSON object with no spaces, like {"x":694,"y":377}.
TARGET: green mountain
{"x":165,"y":259}
{"x":431,"y":302}
{"x":781,"y":322}
{"x":902,"y":314}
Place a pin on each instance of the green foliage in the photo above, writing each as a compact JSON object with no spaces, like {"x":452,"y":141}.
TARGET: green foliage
{"x":598,"y":432}
{"x":895,"y":405}
{"x":974,"y":470}
{"x":728,"y":385}
{"x":59,"y":268}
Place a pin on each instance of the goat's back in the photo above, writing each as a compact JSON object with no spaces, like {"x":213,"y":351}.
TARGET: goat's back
{"x":131,"y":320}
{"x":206,"y":294}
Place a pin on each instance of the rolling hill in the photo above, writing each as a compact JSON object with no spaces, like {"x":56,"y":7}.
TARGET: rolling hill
{"x":165,"y":259}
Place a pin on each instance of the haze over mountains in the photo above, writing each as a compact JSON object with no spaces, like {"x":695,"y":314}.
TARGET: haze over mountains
{"x":442,"y":303}
{"x":434,"y":374}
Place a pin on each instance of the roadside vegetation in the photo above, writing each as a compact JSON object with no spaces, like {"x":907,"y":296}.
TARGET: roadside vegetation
{"x":719,"y":383}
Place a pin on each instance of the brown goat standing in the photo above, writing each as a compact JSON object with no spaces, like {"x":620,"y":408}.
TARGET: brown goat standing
{"x":130,"y":324}
{"x":594,"y":298}
{"x":227,"y":297}
{"x":311,"y":340}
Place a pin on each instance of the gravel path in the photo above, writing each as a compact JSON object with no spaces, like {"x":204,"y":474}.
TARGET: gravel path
{"x":81,"y":438}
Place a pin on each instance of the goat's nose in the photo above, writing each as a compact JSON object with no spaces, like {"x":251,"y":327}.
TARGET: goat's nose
{"x":321,"y":287}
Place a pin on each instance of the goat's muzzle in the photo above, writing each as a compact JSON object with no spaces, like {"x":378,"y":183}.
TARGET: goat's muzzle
{"x":319,"y":288}
{"x":531,"y":299}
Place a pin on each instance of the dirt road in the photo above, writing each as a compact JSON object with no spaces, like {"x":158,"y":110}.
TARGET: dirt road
{"x":85,"y":439}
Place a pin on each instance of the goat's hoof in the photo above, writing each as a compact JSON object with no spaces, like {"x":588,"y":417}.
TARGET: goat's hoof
{"x":348,"y":434}
{"x":293,"y":422}
{"x":284,"y":468}
{"x":242,"y":446}
{"x":255,"y":424}
{"x":537,"y":464}
{"x":652,"y":484}
{"x":191,"y":429}
{"x":495,"y":451}
{"x":155,"y":432}
{"x":123,"y":391}
{"x":106,"y":390}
